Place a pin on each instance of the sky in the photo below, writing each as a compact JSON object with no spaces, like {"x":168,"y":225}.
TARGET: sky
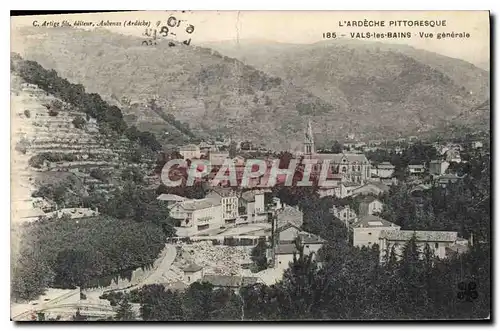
{"x":304,"y":27}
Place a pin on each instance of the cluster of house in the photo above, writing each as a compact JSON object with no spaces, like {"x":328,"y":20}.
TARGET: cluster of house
{"x":220,"y":207}
{"x":349,"y":174}
{"x":287,"y":230}
{"x":369,"y":229}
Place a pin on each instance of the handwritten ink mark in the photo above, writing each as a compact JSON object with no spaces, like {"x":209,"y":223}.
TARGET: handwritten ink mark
{"x":467,"y":291}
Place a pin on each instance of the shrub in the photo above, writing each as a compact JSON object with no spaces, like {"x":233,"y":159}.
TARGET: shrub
{"x":79,"y":122}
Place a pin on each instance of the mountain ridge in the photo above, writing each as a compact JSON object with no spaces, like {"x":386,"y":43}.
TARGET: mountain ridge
{"x":366,"y":91}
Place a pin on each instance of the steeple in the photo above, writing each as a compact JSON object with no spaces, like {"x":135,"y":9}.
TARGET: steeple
{"x":309,"y":140}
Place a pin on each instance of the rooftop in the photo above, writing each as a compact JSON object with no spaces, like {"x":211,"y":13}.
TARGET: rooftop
{"x":379,"y":185}
{"x":190,"y":147}
{"x":337,"y":158}
{"x":223,"y":191}
{"x":285,"y":249}
{"x":248,"y":196}
{"x":416,"y":166}
{"x":405,"y":235}
{"x":385,"y":165}
{"x":372,"y":221}
{"x":198,"y":204}
{"x":193,"y":267}
{"x":170,"y":197}
{"x":290,"y":214}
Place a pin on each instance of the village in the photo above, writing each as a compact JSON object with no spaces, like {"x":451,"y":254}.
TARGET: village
{"x":215,"y":235}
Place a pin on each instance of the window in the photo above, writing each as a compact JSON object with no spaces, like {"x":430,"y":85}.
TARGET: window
{"x":189,"y":279}
{"x":344,"y":169}
{"x":353,"y":168}
{"x":436,"y":245}
{"x":369,"y":233}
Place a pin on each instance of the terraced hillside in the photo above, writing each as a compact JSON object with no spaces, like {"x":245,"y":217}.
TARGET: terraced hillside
{"x":64,"y":149}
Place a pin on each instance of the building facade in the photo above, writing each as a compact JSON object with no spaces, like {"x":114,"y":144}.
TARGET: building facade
{"x":366,"y":232}
{"x":190,"y":152}
{"x":438,"y":167}
{"x":369,"y":206}
{"x":437,"y":241}
{"x":384,"y":170}
{"x":354,"y":168}
{"x":227,"y":198}
{"x":344,"y":213}
{"x":198,"y":215}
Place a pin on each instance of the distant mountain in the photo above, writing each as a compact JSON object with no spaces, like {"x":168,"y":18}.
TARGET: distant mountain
{"x":369,"y":90}
{"x":395,"y":87}
{"x":212,"y":93}
{"x":484,"y":65}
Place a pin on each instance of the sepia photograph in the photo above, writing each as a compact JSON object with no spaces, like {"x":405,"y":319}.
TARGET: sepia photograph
{"x":250,"y":166}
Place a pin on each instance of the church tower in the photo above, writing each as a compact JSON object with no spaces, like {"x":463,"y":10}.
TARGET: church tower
{"x":309,"y":140}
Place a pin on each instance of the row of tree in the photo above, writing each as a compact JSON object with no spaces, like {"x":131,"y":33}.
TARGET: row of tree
{"x":86,"y":252}
{"x":348,"y":284}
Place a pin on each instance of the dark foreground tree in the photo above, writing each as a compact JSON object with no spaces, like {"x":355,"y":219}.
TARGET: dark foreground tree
{"x":125,"y":312}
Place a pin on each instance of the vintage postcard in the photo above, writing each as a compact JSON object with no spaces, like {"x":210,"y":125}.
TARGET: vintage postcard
{"x":251,"y":166}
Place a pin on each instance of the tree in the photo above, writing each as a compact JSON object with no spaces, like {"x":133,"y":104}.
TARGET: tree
{"x":124,"y":311}
{"x":232,"y":149}
{"x":78,"y":317}
{"x":79,"y":122}
{"x":301,"y":287}
{"x":337,"y":147}
{"x":259,"y":256}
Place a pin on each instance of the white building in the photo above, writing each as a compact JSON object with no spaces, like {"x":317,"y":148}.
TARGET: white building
{"x":384,"y":170}
{"x":345,"y":214}
{"x":286,"y":247}
{"x":477,"y":144}
{"x":218,"y":158}
{"x":252,"y":204}
{"x":198,"y":215}
{"x":416,"y":169}
{"x":366,"y":232}
{"x":192,"y":273}
{"x":228,"y":200}
{"x":453,"y":155}
{"x":190,"y":152}
{"x":170,"y":199}
{"x":438,"y":167}
{"x":437,"y":241}
{"x":340,"y":189}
